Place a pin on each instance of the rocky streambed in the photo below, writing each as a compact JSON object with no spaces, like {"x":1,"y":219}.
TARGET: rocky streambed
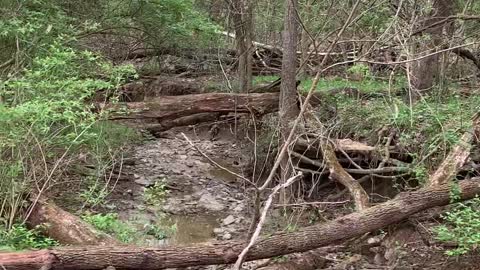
{"x":199,"y":201}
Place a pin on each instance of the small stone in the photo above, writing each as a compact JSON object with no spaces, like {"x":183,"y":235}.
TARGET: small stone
{"x":218,"y":231}
{"x":144,"y":182}
{"x":209,"y":202}
{"x":229,"y":220}
{"x":238,"y":208}
{"x":239,"y":220}
{"x":136,"y":176}
{"x":374,"y":240}
{"x":227,"y":236}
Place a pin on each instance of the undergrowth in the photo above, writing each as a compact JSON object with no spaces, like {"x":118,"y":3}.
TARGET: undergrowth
{"x":462,"y":227}
{"x":20,"y":238}
{"x":47,"y":119}
{"x":111,"y":224}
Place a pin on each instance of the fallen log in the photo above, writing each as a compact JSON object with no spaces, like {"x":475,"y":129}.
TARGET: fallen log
{"x":171,"y":107}
{"x":282,"y":243}
{"x":64,"y":227}
{"x":182,"y":121}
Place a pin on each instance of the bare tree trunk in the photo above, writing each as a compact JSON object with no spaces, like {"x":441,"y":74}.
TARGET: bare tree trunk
{"x":305,"y":40}
{"x":242,"y":15}
{"x":289,"y":109}
{"x":425,"y":73}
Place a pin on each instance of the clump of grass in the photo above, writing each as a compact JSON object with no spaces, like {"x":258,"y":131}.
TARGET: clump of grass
{"x":125,"y":231}
{"x":264,"y":79}
{"x":367,"y":85}
{"x":111,"y":224}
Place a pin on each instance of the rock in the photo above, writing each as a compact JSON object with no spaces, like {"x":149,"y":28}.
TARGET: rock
{"x":227,"y":236}
{"x":229,"y":220}
{"x":144,"y":182}
{"x":218,"y":231}
{"x":209,"y":202}
{"x":238,"y":208}
{"x":136,"y":176}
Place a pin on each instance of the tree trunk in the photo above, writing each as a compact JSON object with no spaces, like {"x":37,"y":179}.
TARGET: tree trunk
{"x":424,"y":73}
{"x":305,"y":39}
{"x":289,"y":108}
{"x":242,"y":16}
{"x":64,"y":227}
{"x":282,"y":243}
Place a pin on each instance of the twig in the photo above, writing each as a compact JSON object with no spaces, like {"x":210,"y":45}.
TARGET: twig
{"x":378,"y":170}
{"x":215,"y":163}
{"x":263,"y":217}
{"x":349,"y":158}
{"x":311,"y":203}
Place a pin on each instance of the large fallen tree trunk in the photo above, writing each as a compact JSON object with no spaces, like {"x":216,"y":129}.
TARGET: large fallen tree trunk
{"x":172,"y":107}
{"x":64,"y":227}
{"x":304,"y":239}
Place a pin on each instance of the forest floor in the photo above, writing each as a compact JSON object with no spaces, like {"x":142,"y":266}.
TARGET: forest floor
{"x":171,"y":193}
{"x":204,"y":203}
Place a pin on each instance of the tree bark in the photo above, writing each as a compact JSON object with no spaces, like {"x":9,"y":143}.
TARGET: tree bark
{"x":289,"y":108}
{"x":172,"y":107}
{"x":425,"y":73}
{"x":64,"y":227}
{"x":242,"y":16}
{"x":457,"y":157}
{"x":282,"y":243}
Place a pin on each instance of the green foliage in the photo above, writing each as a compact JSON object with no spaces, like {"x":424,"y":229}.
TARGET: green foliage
{"x":366,"y":86}
{"x":20,"y":238}
{"x":159,"y":23}
{"x":45,"y":119}
{"x":462,"y":227}
{"x":160,"y":232}
{"x":156,"y":194}
{"x":95,"y":193}
{"x":110,"y":224}
{"x":361,"y":70}
{"x":264,"y":79}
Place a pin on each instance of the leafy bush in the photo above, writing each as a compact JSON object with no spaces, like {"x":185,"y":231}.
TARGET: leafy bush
{"x":462,"y":227}
{"x":20,"y":238}
{"x":110,"y":224}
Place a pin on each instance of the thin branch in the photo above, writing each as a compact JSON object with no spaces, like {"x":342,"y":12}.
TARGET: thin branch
{"x":311,"y":203}
{"x":263,"y":217}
